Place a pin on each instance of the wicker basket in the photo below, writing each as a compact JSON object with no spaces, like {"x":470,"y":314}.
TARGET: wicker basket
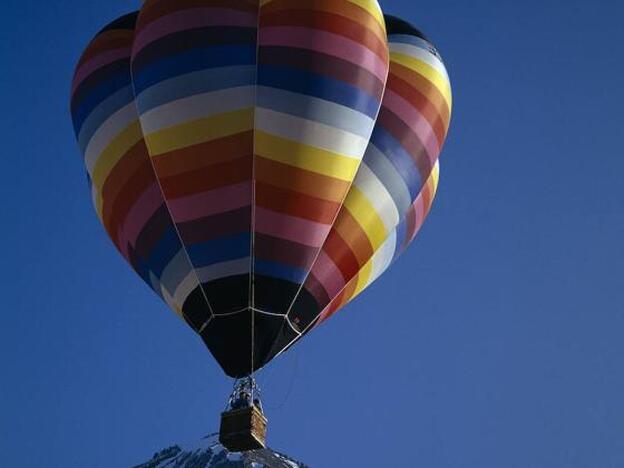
{"x":243,"y":429}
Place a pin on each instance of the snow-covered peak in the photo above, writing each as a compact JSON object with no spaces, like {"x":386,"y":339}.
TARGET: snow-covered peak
{"x":209,"y":453}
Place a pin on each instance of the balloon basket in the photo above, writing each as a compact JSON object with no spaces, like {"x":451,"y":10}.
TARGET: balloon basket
{"x":243,"y":429}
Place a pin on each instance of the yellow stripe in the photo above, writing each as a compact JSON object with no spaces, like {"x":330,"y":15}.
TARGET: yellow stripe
{"x":305,"y":157}
{"x":98,"y":203}
{"x":113,"y":153}
{"x":365,"y":214}
{"x":373,"y":8}
{"x":363,"y":279}
{"x":200,"y":131}
{"x":365,"y":274}
{"x":99,"y":206}
{"x":434,"y":177}
{"x":173,"y":305}
{"x":426,"y":70}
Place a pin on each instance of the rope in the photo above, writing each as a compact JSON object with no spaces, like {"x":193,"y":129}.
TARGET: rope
{"x":291,"y":385}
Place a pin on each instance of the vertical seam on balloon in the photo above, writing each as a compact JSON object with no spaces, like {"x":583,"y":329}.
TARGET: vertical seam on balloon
{"x":313,"y":322}
{"x":175,"y":225}
{"x":300,"y":334}
{"x":339,"y":210}
{"x":188,"y":257}
{"x":252,"y":240}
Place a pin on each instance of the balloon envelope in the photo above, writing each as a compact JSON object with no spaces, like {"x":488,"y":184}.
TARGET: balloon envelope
{"x":259,"y":164}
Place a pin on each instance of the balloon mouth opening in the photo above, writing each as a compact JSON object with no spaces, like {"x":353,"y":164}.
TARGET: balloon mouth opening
{"x":245,"y":342}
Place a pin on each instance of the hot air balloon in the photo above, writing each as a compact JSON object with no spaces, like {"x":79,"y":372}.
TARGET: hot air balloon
{"x":259,"y":163}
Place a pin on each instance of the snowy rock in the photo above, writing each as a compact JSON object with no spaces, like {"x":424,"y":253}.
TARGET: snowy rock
{"x":209,"y":453}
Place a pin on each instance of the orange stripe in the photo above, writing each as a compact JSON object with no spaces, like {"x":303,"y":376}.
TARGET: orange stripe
{"x":346,"y":9}
{"x":333,"y":23}
{"x":132,"y":191}
{"x":121,"y":174}
{"x":297,"y":180}
{"x":355,"y":237}
{"x":155,"y":9}
{"x":207,"y":178}
{"x":423,"y":95}
{"x":113,"y":39}
{"x":341,"y":254}
{"x":205,"y":154}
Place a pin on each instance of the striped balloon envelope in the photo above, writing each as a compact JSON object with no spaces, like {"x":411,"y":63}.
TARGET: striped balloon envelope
{"x":260,"y":162}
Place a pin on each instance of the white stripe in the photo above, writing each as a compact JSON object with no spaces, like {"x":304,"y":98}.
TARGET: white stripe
{"x":103,"y":111}
{"x":94,"y":199}
{"x":316,"y":109}
{"x":420,"y":54}
{"x":311,"y":133}
{"x":173,"y":305}
{"x":199,"y":106}
{"x":223,"y":270}
{"x":194,"y":83}
{"x":378,"y":196}
{"x":176,"y":270}
{"x":387,"y":172}
{"x":185,"y":288}
{"x":107,"y":132}
{"x":383,"y":257}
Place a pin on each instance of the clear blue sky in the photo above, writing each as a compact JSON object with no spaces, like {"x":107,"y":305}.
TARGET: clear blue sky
{"x":495,"y":342}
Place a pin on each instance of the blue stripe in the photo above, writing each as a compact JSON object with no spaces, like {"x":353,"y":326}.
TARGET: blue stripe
{"x":220,"y":250}
{"x":177,"y":270}
{"x":97,"y":95}
{"x":311,"y":84}
{"x":164,"y":251}
{"x":192,"y":84}
{"x":387,"y":174}
{"x":101,"y":114}
{"x":139,"y":266}
{"x":192,"y":61}
{"x":399,"y":158}
{"x":401,"y":233}
{"x":316,"y":110}
{"x":281,"y":271}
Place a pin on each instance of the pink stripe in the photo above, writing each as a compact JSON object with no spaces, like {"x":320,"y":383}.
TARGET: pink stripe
{"x":419,"y":216}
{"x":327,"y":43}
{"x":140,"y":213}
{"x":290,"y":228}
{"x":210,"y":203}
{"x":191,"y":19}
{"x":322,"y":317}
{"x":99,"y":61}
{"x":328,"y":274}
{"x":414,"y":120}
{"x":335,"y":305}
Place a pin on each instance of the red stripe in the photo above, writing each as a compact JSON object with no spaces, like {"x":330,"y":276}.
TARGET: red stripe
{"x":283,"y":251}
{"x":329,"y":22}
{"x":422,"y":94}
{"x":154,"y":9}
{"x":295,"y":204}
{"x":207,"y":178}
